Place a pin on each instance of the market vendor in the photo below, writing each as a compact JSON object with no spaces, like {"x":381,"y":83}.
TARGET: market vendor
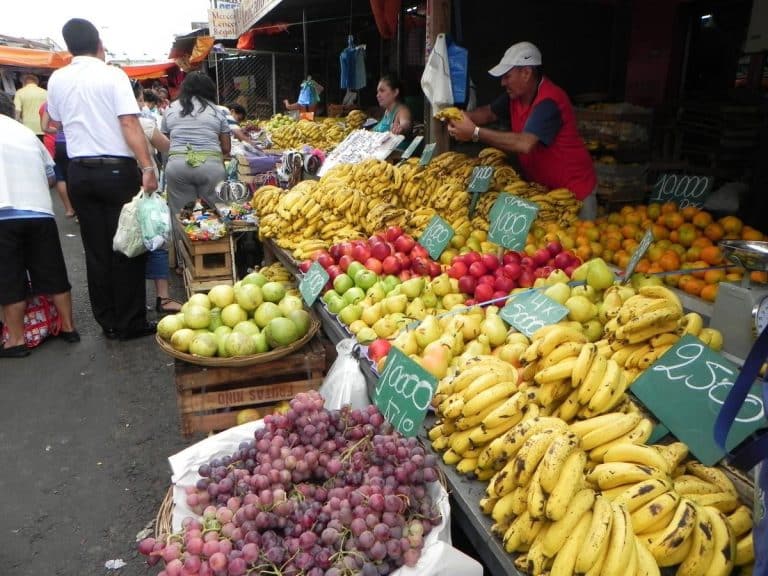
{"x":397,"y":116}
{"x":542,"y":123}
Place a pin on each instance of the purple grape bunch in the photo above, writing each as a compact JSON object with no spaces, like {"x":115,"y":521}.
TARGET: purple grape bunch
{"x":315,"y":493}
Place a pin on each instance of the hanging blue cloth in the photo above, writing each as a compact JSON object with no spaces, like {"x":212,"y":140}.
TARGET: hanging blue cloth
{"x":348,"y":65}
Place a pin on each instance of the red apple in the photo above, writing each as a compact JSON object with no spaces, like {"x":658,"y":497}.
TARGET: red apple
{"x":512,"y":270}
{"x":499,"y":294}
{"x":345,"y":261}
{"x":541,"y":256}
{"x":391,"y":265}
{"x":325,"y":260}
{"x":335,"y":252}
{"x":490,"y":261}
{"x":405,"y":260}
{"x":483,"y":292}
{"x":457,"y":270}
{"x":419,"y":250}
{"x":460,"y":258}
{"x":526,"y":262}
{"x":333,"y":271}
{"x":526,"y":279}
{"x":420,"y":266}
{"x":543,"y":272}
{"x":511,"y":257}
{"x":477,"y":269}
{"x":504,"y":284}
{"x":554,"y":248}
{"x":405,"y":275}
{"x":404,"y":244}
{"x":380,"y":250}
{"x":569,"y":270}
{"x":562,"y":260}
{"x":393,"y":233}
{"x":361,"y":252}
{"x":487,"y":279}
{"x":434,"y":269}
{"x":346,"y":248}
{"x":467,"y":285}
{"x":373,"y":264}
{"x":378,"y":349}
{"x":470,"y":302}
{"x":379,"y":237}
{"x":471,"y":257}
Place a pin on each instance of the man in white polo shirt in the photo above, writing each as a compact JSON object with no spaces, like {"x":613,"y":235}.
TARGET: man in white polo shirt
{"x":96,"y":106}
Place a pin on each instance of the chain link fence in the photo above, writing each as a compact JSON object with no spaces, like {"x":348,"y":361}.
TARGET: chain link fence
{"x":258,"y":81}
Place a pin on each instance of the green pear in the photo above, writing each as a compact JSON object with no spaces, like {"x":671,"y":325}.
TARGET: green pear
{"x":406,"y":342}
{"x":441,"y":285}
{"x":558,"y":275}
{"x":639,"y":280}
{"x":366,"y":336}
{"x":580,"y":273}
{"x":376,"y":293}
{"x":350,"y":313}
{"x":559,"y":292}
{"x":413,"y":287}
{"x":384,"y":327}
{"x":416,"y":309}
{"x":396,"y":303}
{"x":428,"y":331}
{"x":372,"y":314}
{"x":450,"y":301}
{"x":429,"y":297}
{"x":599,"y":275}
{"x":593,"y":330}
{"x":587,"y":291}
{"x":581,"y":309}
{"x":494,"y":329}
{"x":469,"y":324}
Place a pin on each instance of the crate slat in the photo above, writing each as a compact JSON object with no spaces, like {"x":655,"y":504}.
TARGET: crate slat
{"x":248,"y":396}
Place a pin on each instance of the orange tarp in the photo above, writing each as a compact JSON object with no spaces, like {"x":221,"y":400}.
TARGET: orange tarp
{"x":147,"y":71}
{"x":28,"y":58}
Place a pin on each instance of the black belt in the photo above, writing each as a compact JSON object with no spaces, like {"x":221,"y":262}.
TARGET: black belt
{"x":103,"y":160}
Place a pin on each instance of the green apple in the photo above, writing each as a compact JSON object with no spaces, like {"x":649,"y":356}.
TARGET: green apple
{"x":336,"y":304}
{"x":364,"y":279}
{"x":354,"y":267}
{"x":390,"y":282}
{"x":350,"y":313}
{"x":353,"y":295}
{"x":342,"y":283}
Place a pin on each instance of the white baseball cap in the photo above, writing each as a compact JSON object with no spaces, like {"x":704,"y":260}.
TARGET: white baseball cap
{"x":520,"y":54}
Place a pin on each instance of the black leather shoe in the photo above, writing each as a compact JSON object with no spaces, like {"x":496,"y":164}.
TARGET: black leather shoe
{"x":110,"y":334}
{"x":19,"y":351}
{"x":69,"y":337}
{"x":148,"y":329}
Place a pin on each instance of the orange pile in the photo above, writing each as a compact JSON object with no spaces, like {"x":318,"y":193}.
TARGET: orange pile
{"x":684,"y":238}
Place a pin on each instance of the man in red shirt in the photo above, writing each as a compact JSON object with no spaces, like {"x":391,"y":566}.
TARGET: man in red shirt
{"x":542,"y":123}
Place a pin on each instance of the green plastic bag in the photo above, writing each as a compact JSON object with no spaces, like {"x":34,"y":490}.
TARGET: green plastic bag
{"x":155,"y":221}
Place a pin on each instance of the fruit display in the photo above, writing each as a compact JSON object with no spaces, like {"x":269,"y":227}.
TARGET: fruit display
{"x":353,"y":201}
{"x":314,"y":493}
{"x":254,"y":316}
{"x":287,"y":133}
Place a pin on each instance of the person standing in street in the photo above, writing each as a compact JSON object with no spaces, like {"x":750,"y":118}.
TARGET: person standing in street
{"x":543,"y":131}
{"x":27,"y":101}
{"x":32,"y":260}
{"x":109,"y":162}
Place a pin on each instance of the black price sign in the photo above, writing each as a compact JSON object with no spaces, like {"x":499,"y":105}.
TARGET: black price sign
{"x":683,"y":189}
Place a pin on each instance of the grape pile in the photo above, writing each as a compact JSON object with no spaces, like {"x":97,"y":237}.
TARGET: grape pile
{"x":315,"y":493}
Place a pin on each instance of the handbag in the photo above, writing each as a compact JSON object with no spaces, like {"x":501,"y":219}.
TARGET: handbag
{"x":41,"y":319}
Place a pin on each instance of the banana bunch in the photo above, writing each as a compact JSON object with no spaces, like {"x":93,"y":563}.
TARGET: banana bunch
{"x":600,"y":434}
{"x":573,"y":378}
{"x":307,"y":248}
{"x":278,"y":273}
{"x":449,"y":113}
{"x":324,"y":135}
{"x":266,"y":199}
{"x":654,"y":310}
{"x":356,"y":119}
{"x":557,"y":205}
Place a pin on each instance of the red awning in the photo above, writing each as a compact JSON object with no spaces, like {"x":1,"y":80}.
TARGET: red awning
{"x":148,"y":71}
{"x":29,"y":58}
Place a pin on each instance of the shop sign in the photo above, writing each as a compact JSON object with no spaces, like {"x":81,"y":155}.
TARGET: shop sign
{"x":251,"y":11}
{"x":511,"y":218}
{"x":685,"y":390}
{"x":223,"y":23}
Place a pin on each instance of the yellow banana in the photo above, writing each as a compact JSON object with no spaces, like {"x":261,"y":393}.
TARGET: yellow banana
{"x":559,"y":530}
{"x":558,"y":336}
{"x":597,"y":538}
{"x":702,"y":547}
{"x":712,"y":475}
{"x":622,"y":545}
{"x":536,"y":500}
{"x":502,"y":510}
{"x":662,"y":340}
{"x":583,"y":427}
{"x":562,"y":352}
{"x":488,"y":504}
{"x":554,"y":459}
{"x":482,"y":435}
{"x":565,"y":560}
{"x":489,"y":397}
{"x":609,"y":432}
{"x":583,"y":363}
{"x":642,"y":492}
{"x":555,"y":373}
{"x":528,"y":457}
{"x":689,"y":484}
{"x":452,"y":406}
{"x":723,"y":501}
{"x":664,"y":544}
{"x":745,"y":550}
{"x":613,"y":474}
{"x":721,"y":563}
{"x":568,"y":484}
{"x":466,"y":465}
{"x":740,"y":521}
{"x":649,"y":514}
{"x":638,"y":435}
{"x":638,"y":454}
{"x":646,"y":563}
{"x":521,"y":532}
{"x":482,"y":383}
{"x":661,"y":292}
{"x":467,"y":422}
{"x":606,"y":387}
{"x":509,"y":409}
{"x":673,"y":453}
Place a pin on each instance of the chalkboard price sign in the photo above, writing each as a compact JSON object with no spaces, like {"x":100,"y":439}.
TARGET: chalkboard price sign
{"x":408,"y":152}
{"x":685,"y":389}
{"x":480,"y":179}
{"x":511,"y":218}
{"x":404,"y":393}
{"x":426,"y":154}
{"x":637,"y":255}
{"x":531,"y":310}
{"x":436,"y":236}
{"x":683,"y":189}
{"x":313,"y":283}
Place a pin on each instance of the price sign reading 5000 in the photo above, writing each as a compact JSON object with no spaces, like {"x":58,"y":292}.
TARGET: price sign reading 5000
{"x":511,"y":218}
{"x":404,"y":392}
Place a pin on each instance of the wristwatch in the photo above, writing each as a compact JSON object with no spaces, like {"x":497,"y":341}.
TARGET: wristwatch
{"x":148,"y":169}
{"x":476,"y":134}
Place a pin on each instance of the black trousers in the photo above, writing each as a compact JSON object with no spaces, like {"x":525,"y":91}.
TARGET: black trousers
{"x":115,"y":283}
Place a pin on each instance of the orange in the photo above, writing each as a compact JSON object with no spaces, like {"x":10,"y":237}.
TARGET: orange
{"x":714,"y":276}
{"x":699,"y":264}
{"x":654,"y":268}
{"x":731,"y":224}
{"x":761,"y":277}
{"x":621,"y":259}
{"x":702,"y":219}
{"x":627,"y":209}
{"x":689,"y":212}
{"x":694,"y":286}
{"x":608,"y":255}
{"x":666,"y":244}
{"x":597,"y":248}
{"x":593,"y":234}
{"x":634,"y":218}
{"x":679,"y":249}
{"x":733,"y":276}
{"x":674,"y":236}
{"x":659,"y":232}
{"x":749,"y":233}
{"x":584,"y":252}
{"x":712,"y":255}
{"x":643,"y":265}
{"x":615,"y":218}
{"x":669,"y":261}
{"x":714,"y":231}
{"x":702,"y":242}
{"x":692,"y":254}
{"x":709,"y":292}
{"x":655,"y":252}
{"x":654,"y":210}
{"x":673,"y":220}
{"x":668,"y":207}
{"x":582,"y":241}
{"x":612,"y":243}
{"x":629,"y":230}
{"x":683,"y":279}
{"x":629,"y":245}
{"x":687,"y":233}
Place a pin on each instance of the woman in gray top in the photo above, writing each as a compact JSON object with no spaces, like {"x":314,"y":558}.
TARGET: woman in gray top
{"x":200,"y":138}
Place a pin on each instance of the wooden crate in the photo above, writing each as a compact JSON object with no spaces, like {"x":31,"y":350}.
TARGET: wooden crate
{"x":205,"y":259}
{"x":194,"y":285}
{"x":210,"y":398}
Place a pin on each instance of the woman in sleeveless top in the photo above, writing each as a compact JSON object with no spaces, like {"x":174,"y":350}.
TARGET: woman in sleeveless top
{"x":397,"y":116}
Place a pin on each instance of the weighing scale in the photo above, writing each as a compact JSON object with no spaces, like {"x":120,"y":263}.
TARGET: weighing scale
{"x":741,"y":310}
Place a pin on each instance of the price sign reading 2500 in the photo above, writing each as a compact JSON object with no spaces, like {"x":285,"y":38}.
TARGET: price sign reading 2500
{"x":404,"y":392}
{"x":717,"y":380}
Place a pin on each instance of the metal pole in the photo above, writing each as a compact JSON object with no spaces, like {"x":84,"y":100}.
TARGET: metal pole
{"x":304,"y":35}
{"x":274,"y":85}
{"x":218,"y":88}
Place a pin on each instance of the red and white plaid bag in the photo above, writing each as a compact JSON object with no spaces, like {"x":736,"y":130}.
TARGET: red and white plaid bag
{"x":41,"y":319}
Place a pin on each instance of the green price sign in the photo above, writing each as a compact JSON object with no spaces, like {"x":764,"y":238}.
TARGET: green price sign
{"x":480,"y":180}
{"x":426,"y":154}
{"x":436,"y":236}
{"x":685,"y":389}
{"x":531,"y":310}
{"x":408,"y":152}
{"x":511,"y":218}
{"x":404,"y":393}
{"x":637,"y":255}
{"x":313,"y":283}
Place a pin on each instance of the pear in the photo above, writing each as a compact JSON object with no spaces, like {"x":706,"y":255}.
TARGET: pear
{"x":580,"y":273}
{"x":639,"y":280}
{"x":586,"y":291}
{"x":384,"y":327}
{"x":494,"y":329}
{"x":454,"y":340}
{"x":428,"y":331}
{"x":581,"y":309}
{"x":626,"y":291}
{"x":599,"y":275}
{"x":439,"y":347}
{"x":372,"y":314}
{"x":515,"y":337}
{"x":559,"y":292}
{"x":429,"y":297}
{"x":510,"y":352}
{"x":376,"y":293}
{"x":413,"y":287}
{"x":406,"y":342}
{"x":593,"y":330}
{"x":469,"y":324}
{"x":366,"y":336}
{"x":556,"y":276}
{"x":392,"y":304}
{"x":450,"y":301}
{"x":441,"y":285}
{"x":356,"y":326}
{"x":416,"y":309}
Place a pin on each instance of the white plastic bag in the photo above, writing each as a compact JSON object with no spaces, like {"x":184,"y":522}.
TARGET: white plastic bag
{"x":128,"y":238}
{"x":345,"y":383}
{"x":436,"y":79}
{"x":155,"y":222}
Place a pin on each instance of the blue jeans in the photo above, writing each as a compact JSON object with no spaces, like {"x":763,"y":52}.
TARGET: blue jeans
{"x":157,"y":265}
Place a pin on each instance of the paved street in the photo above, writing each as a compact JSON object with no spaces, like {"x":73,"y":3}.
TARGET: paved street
{"x":85,"y":430}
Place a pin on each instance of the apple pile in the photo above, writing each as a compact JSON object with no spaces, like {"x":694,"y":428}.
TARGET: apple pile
{"x":485,"y":277}
{"x":391,"y":252}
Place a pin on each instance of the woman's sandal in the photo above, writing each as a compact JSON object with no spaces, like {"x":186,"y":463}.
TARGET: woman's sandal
{"x":162,"y":305}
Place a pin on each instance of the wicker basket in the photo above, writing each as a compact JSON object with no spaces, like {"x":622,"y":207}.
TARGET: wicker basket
{"x":163,"y":520}
{"x":240,"y":361}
